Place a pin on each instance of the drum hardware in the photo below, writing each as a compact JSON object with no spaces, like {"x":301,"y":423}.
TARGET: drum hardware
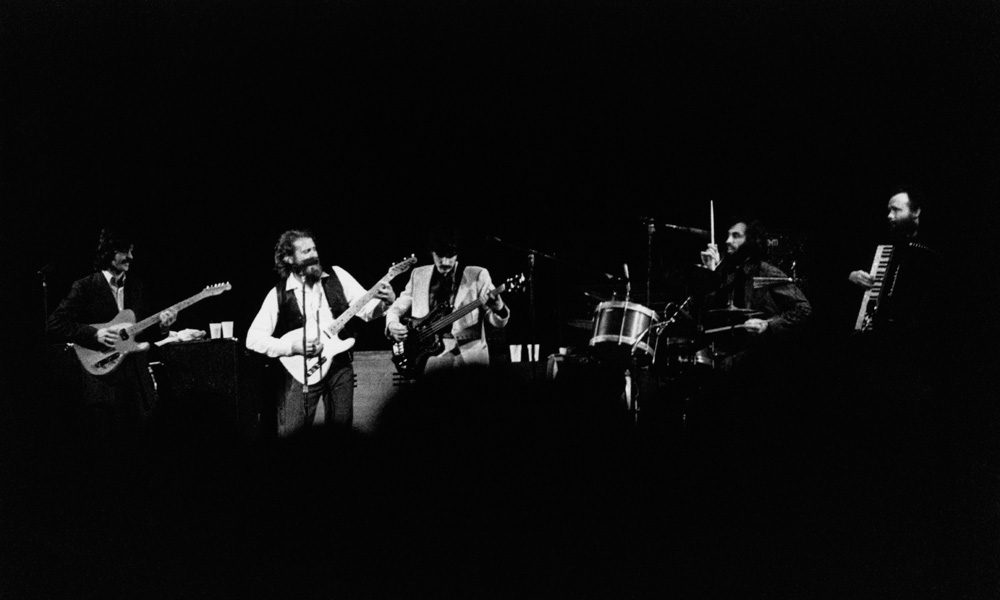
{"x":580,"y":323}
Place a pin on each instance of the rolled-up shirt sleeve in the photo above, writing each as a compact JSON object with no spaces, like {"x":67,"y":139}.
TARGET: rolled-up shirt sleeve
{"x":259,"y":338}
{"x":485,"y":284}
{"x":401,"y":306}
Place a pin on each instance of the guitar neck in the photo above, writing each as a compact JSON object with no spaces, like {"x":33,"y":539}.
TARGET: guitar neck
{"x":154,"y":319}
{"x":460,"y":312}
{"x":356,"y":306}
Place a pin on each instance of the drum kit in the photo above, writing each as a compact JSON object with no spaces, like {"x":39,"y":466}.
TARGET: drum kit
{"x":670,"y":347}
{"x":680,"y":343}
{"x":639,"y":336}
{"x":681,"y":346}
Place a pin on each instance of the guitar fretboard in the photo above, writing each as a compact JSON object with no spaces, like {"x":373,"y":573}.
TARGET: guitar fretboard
{"x":356,"y":306}
{"x":458,"y":313}
{"x":155,"y":319}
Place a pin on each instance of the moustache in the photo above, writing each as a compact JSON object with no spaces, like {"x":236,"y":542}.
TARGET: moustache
{"x":302,"y":266}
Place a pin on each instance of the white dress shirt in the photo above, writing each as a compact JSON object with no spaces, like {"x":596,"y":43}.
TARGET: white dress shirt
{"x":117,"y":289}
{"x":259,"y":336}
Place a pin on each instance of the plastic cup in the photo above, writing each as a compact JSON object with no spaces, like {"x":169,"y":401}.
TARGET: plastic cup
{"x":515,"y":353}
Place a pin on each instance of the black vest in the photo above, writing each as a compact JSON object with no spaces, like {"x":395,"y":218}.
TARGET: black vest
{"x":289,"y":314}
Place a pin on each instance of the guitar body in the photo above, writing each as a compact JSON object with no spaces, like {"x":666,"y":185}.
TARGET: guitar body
{"x":317,"y":366}
{"x":104,"y":361}
{"x":410,"y":356}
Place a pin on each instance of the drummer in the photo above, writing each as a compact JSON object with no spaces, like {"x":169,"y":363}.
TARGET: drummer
{"x":772,"y":305}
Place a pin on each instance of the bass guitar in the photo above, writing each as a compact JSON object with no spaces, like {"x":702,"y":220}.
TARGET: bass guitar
{"x":317,"y":367}
{"x":105,"y":360}
{"x":424,"y":335}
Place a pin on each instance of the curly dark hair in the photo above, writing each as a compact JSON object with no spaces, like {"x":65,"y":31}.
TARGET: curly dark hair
{"x":286,"y":247}
{"x":754,"y":246}
{"x":109,"y":243}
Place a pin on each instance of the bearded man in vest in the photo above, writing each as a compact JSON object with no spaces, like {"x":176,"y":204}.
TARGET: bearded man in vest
{"x":327,"y":295}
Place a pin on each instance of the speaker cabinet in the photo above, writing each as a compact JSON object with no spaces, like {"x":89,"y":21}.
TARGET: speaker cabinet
{"x":375,"y":382}
{"x":212,"y":386}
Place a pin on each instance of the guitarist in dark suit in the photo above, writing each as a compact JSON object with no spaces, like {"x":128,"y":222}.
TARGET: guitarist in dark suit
{"x":116,"y":407}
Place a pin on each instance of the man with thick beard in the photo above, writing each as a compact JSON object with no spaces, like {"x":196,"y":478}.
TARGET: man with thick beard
{"x":781,"y":305}
{"x":914,"y":296}
{"x":326,"y":295}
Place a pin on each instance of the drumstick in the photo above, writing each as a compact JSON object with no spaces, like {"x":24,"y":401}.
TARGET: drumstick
{"x":711,"y":218}
{"x":726,"y":328}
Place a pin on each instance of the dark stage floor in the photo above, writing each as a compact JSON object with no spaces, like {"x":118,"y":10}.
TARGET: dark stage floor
{"x":831,"y":484}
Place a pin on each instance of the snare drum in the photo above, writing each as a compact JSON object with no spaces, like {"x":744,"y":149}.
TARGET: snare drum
{"x":620,"y":323}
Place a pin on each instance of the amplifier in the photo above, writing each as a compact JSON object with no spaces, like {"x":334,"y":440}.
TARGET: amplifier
{"x":375,"y":382}
{"x":212,"y":386}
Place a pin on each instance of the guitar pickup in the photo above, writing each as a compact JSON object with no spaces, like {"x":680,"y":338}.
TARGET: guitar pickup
{"x":114,"y":356}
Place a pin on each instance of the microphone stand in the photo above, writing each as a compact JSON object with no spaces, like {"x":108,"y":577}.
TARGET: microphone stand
{"x":532,"y":255}
{"x":650,"y":230}
{"x":305,"y":359}
{"x":45,"y":296}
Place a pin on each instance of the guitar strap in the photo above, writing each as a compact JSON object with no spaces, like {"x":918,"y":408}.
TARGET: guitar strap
{"x":457,"y":283}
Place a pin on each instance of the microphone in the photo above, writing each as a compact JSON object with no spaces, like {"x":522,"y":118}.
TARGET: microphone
{"x":626,"y":271}
{"x":693,"y":230}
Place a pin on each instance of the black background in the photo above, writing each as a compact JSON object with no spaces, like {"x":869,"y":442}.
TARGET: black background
{"x":210,"y":127}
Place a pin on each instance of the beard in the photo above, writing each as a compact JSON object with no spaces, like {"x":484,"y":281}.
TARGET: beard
{"x":902,"y":229}
{"x":310,"y":270}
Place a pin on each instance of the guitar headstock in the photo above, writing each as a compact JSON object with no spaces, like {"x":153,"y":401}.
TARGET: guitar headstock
{"x":216,"y":289}
{"x":514,"y":283}
{"x":401,"y":267}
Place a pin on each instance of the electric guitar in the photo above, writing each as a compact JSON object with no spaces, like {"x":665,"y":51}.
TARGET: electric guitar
{"x":423,"y":338}
{"x":105,"y":360}
{"x":316,"y":367}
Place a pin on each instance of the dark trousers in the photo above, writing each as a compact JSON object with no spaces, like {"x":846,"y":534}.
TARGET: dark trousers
{"x":297,"y":410}
{"x":115,"y":420}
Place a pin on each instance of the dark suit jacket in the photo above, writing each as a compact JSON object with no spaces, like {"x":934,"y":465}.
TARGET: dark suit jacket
{"x":90,"y":300}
